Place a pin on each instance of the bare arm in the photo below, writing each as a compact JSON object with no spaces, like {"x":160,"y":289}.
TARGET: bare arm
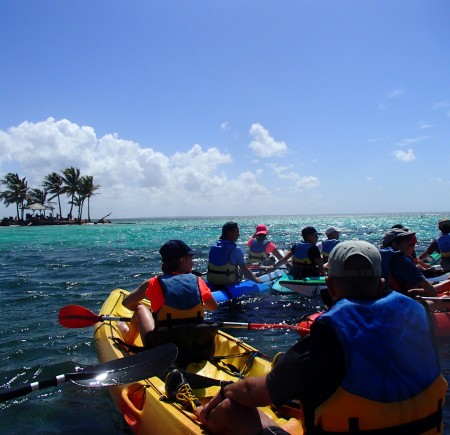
{"x":277,"y":254}
{"x":424,"y":288}
{"x":283,"y":260}
{"x":250,"y":392}
{"x":211,"y":304}
{"x":319,"y":264}
{"x":248,"y":273}
{"x":133,"y":299}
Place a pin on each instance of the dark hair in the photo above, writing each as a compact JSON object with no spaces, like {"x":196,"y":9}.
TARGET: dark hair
{"x":170,"y":266}
{"x":227,"y":227}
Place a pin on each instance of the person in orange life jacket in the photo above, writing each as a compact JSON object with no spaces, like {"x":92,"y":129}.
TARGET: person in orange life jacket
{"x":177,"y":295}
{"x":405,"y":392}
{"x":306,"y":257}
{"x":441,"y":244}
{"x":226,"y":263}
{"x":399,"y":271}
{"x":260,"y":248}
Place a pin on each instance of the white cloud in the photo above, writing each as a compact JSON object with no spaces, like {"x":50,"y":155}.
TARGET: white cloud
{"x":369,"y":178}
{"x":263,"y":145}
{"x":423,"y":125}
{"x":410,"y":140}
{"x":135,"y":181}
{"x":308,"y":182}
{"x":395,"y":93}
{"x":403,"y":156}
{"x":298,"y":181}
{"x":225,"y":126}
{"x":441,"y":105}
{"x":440,"y":181}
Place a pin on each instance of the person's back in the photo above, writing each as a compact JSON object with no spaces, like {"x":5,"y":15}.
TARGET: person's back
{"x":369,"y":364}
{"x":306,"y":258}
{"x":395,"y":383}
{"x":226,"y":263}
{"x":178,"y":297}
{"x":441,"y":244}
{"x":261,"y":250}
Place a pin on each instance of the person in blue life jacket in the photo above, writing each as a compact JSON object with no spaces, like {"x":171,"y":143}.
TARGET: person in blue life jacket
{"x":177,"y":297}
{"x":399,"y":271}
{"x":260,"y":249}
{"x":226,"y":262}
{"x":306,"y":258}
{"x":440,"y":244}
{"x":326,"y":246}
{"x":397,"y":389}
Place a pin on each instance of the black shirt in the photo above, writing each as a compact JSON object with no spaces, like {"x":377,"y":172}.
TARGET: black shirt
{"x":309,"y":371}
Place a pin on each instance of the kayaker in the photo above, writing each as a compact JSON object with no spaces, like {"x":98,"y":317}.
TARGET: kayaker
{"x":363,"y":367}
{"x":260,"y":248}
{"x":226,"y":263}
{"x":422,"y":266}
{"x":441,"y":244}
{"x":177,"y":297}
{"x":399,"y":271}
{"x":306,"y":257}
{"x":326,"y":246}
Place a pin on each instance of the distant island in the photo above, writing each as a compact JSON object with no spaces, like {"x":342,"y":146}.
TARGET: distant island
{"x":34,"y":206}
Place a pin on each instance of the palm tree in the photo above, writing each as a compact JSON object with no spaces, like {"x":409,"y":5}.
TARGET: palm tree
{"x":37,"y":196}
{"x":87,"y":189}
{"x":53,"y":183}
{"x":16,"y":191}
{"x":71,"y":179}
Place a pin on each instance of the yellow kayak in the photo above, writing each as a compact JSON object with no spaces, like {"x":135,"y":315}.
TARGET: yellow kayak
{"x":144,"y":405}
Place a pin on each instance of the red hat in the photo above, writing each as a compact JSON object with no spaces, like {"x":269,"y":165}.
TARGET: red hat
{"x":261,"y":229}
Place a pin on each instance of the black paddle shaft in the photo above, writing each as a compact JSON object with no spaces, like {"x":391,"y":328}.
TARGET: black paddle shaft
{"x":144,"y":365}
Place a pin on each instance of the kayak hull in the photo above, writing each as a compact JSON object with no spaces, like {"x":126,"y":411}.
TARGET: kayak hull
{"x":307,"y":286}
{"x":143,"y":404}
{"x":244,"y":288}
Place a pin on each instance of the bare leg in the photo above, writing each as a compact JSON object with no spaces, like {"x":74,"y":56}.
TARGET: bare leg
{"x":141,"y":323}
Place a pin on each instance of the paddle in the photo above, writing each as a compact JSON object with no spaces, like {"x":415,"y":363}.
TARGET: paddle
{"x":119,"y":371}
{"x":76,"y":316}
{"x":434,"y":298}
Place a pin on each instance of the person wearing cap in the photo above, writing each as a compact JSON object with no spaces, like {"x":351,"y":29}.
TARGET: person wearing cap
{"x":306,"y":257}
{"x":441,"y":244}
{"x":362,"y":369}
{"x":326,"y":246}
{"x":226,"y":262}
{"x":399,"y":271}
{"x":177,"y":297}
{"x":260,"y":249}
{"x":426,"y":269}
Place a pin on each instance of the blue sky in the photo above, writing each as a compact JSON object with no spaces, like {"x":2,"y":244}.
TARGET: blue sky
{"x":181,"y":108}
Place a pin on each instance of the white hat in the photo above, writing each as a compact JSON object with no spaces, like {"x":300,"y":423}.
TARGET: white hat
{"x":330,"y":230}
{"x":343,"y":251}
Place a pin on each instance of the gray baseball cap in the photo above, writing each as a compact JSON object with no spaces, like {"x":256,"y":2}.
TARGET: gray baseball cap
{"x":344,"y":250}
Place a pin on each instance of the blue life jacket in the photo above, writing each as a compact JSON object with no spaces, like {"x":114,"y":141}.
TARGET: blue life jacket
{"x":257,"y":250}
{"x":392,"y":382}
{"x":443,"y":242}
{"x":327,"y":247}
{"x":182,"y":299}
{"x":220,"y":269}
{"x":300,"y":256}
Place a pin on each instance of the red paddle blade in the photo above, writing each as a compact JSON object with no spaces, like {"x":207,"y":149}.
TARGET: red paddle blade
{"x":76,"y":316}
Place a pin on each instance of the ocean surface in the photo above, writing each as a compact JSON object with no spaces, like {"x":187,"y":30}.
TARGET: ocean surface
{"x":43,"y":269}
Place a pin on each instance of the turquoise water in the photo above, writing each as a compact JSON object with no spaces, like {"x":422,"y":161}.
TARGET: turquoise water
{"x":45,"y":268}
